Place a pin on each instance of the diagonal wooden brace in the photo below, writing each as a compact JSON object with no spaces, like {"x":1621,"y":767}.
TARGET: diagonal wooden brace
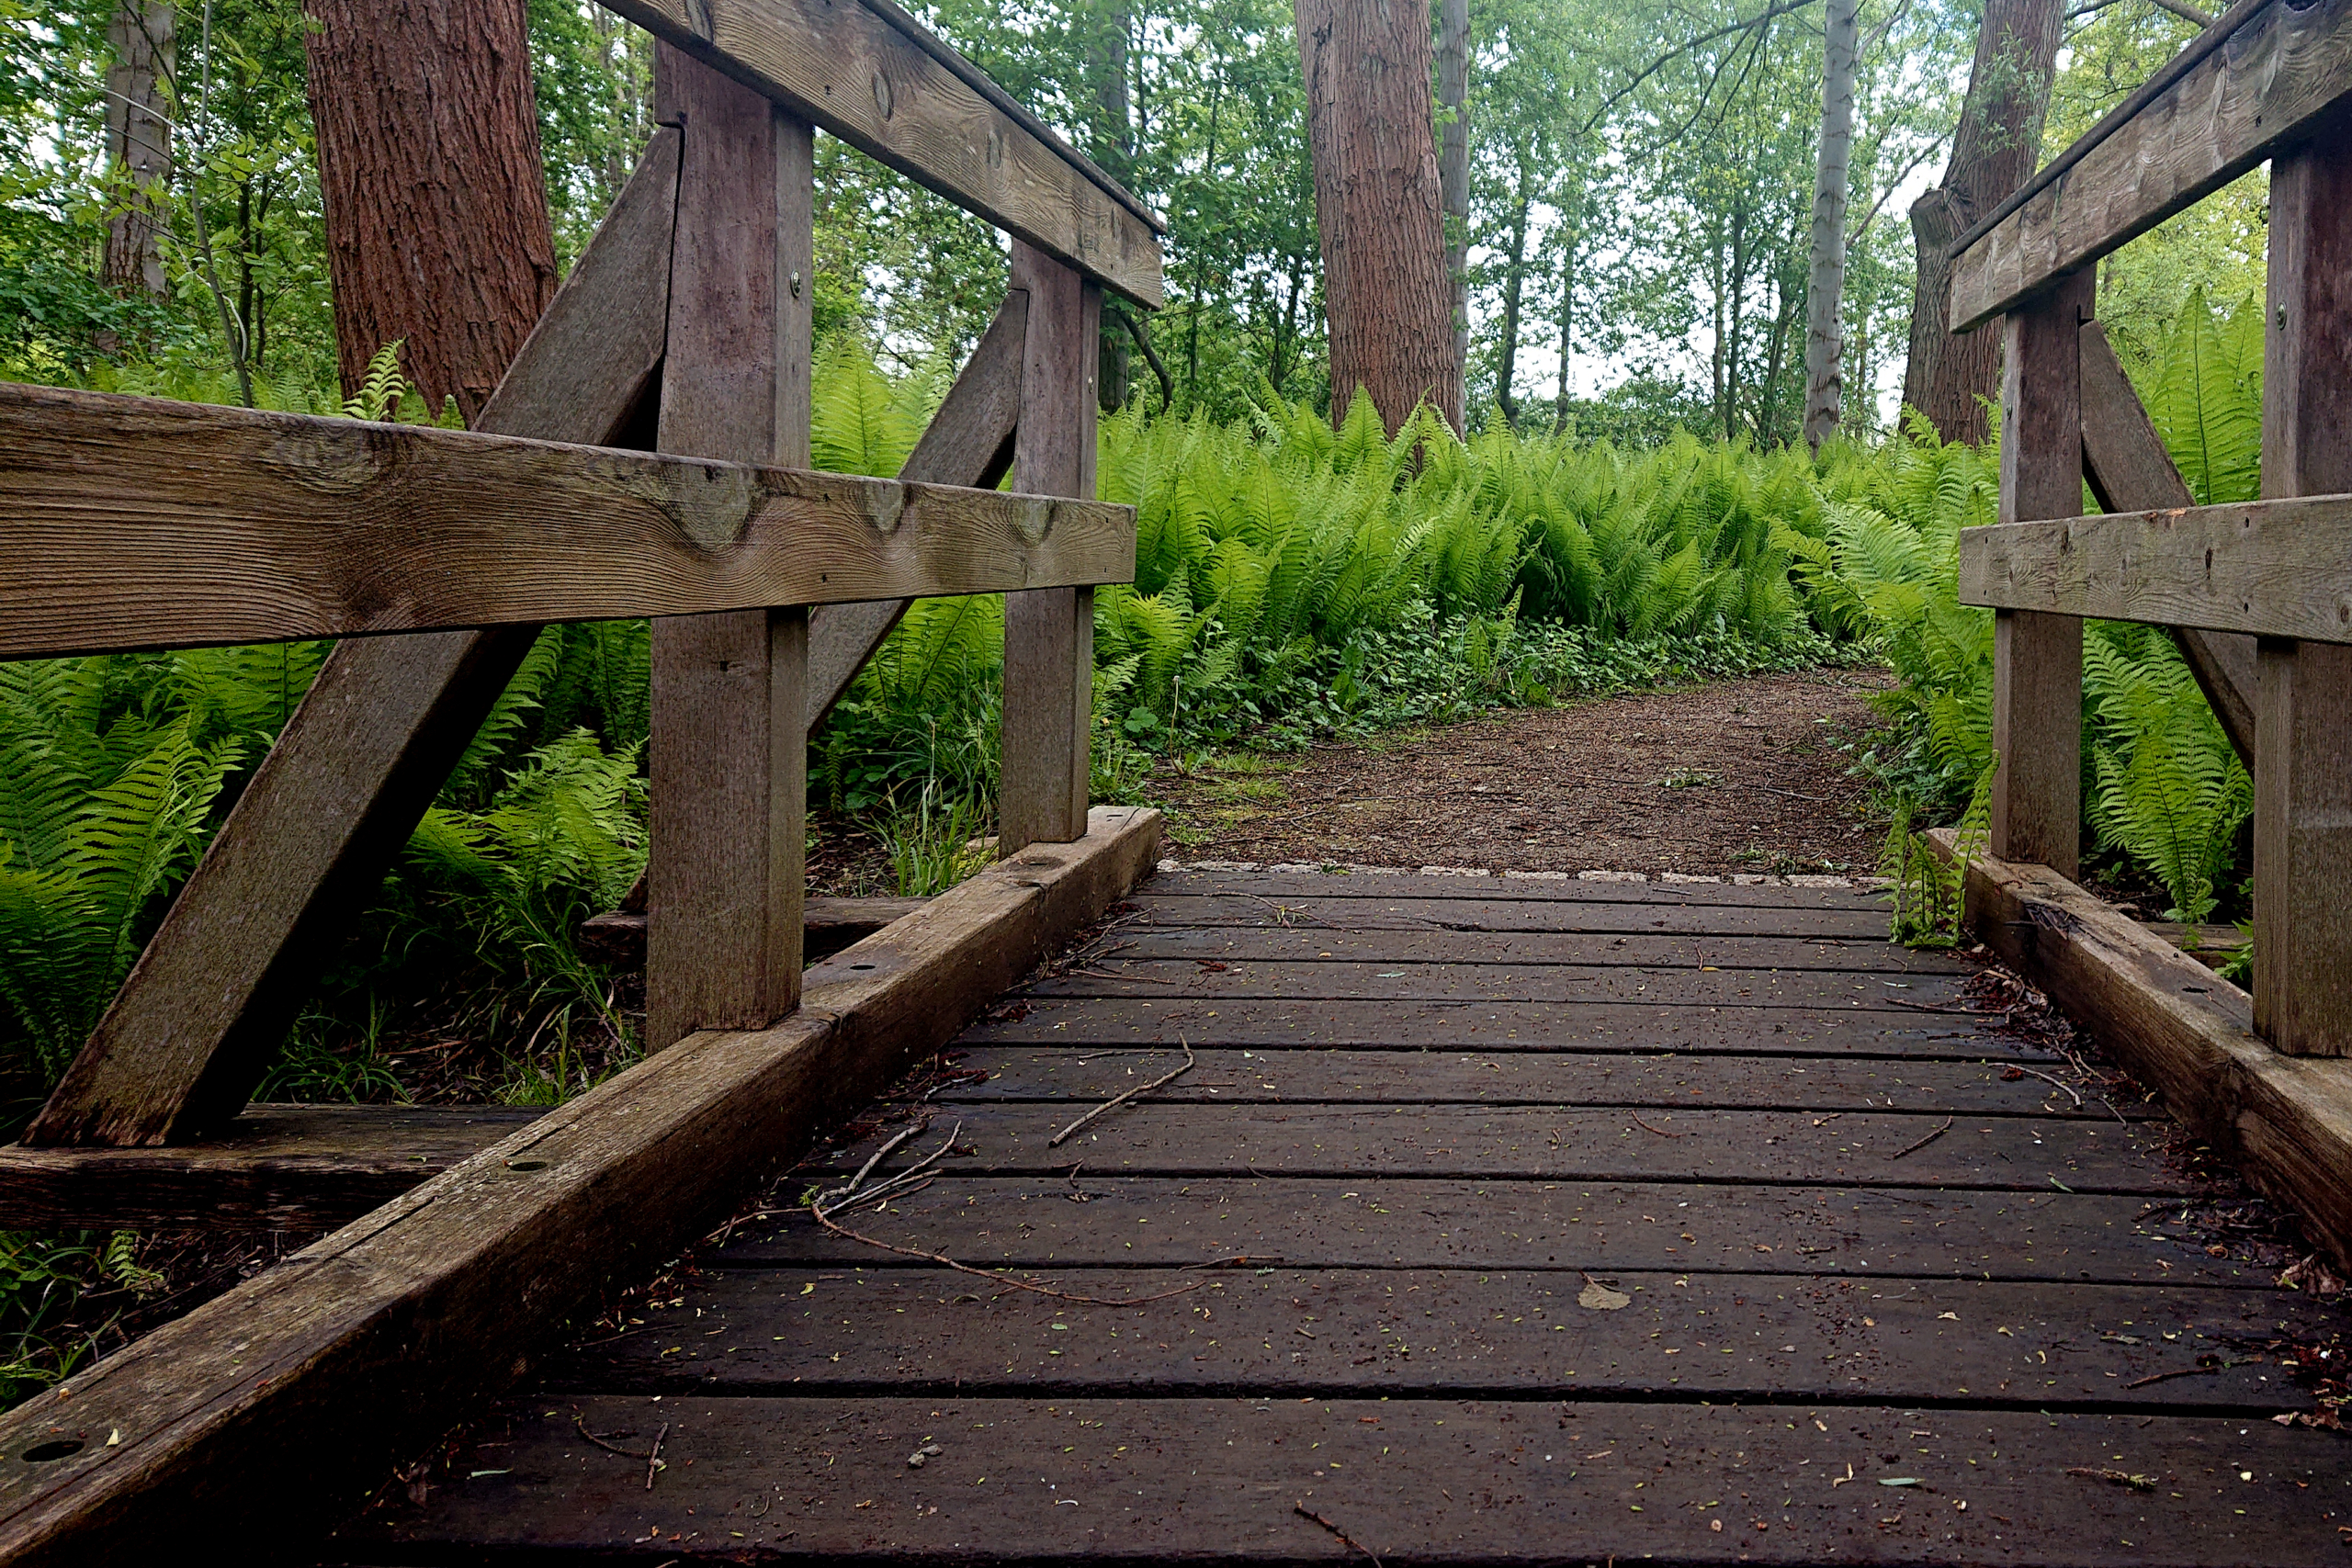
{"x":2128,"y":470}
{"x":970,"y":442}
{"x":211,"y":999}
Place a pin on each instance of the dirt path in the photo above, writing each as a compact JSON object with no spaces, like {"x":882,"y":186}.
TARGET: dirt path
{"x":1731,"y":777}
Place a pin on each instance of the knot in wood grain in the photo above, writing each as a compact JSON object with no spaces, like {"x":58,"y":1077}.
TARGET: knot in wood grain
{"x":334,"y":457}
{"x":885,"y":505}
{"x":712,"y":506}
{"x":1032,"y":518}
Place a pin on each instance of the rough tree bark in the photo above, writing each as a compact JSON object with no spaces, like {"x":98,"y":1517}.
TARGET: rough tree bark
{"x":1995,"y":148}
{"x":436,"y":210}
{"x":1453,"y":180}
{"x":1825,"y":288}
{"x":1377,"y":206}
{"x":139,"y":141}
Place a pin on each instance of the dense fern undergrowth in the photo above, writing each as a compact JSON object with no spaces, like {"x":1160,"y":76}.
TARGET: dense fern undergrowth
{"x":1293,"y":582}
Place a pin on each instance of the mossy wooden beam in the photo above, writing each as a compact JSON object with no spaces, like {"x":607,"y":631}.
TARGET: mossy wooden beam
{"x":2286,"y":1121}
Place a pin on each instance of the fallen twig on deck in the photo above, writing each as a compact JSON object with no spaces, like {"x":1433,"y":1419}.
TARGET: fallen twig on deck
{"x":653,"y":1458}
{"x":2179,"y":1372}
{"x":1647,"y":1128}
{"x":2046,"y":1078}
{"x":826,"y":1220}
{"x":823,"y":1206}
{"x":1915,"y":1148}
{"x":1306,"y":1512}
{"x":1961,"y":1012}
{"x":1055,"y":1140}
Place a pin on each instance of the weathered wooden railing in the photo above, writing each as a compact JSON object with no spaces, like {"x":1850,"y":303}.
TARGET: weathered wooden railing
{"x":2270,"y":80}
{"x":2258,"y":595}
{"x":437,"y":555}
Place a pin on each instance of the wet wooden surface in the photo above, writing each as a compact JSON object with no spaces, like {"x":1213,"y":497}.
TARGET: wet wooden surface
{"x":1695,"y":1249}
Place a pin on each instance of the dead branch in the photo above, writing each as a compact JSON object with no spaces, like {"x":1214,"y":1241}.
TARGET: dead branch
{"x":1055,"y":1140}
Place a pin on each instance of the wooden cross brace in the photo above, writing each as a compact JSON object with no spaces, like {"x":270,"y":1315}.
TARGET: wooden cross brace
{"x":684,"y":326}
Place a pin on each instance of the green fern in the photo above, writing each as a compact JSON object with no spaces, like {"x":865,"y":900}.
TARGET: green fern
{"x":382,"y":387}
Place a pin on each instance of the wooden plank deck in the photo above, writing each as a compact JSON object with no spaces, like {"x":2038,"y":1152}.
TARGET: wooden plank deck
{"x":1513,"y":1222}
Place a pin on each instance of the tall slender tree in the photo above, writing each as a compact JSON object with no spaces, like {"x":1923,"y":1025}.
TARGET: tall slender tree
{"x":1826,"y":286}
{"x":1453,"y":180}
{"x":436,"y":210}
{"x":139,"y":141}
{"x":1378,"y":208}
{"x":1999,"y":142}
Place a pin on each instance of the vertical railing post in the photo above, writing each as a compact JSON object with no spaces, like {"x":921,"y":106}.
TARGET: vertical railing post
{"x":2303,"y":770}
{"x":730,"y":748}
{"x":1049,"y":633}
{"x":2038,"y":658}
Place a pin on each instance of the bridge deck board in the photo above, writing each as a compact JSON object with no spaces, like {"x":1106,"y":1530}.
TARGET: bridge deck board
{"x":1478,"y":1288}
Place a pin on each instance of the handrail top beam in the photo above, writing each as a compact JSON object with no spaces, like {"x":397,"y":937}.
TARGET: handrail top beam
{"x":2270,"y":74}
{"x":869,"y":74}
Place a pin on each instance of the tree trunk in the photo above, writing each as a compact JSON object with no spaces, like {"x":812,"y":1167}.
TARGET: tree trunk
{"x":139,"y":141}
{"x":1113,"y":147}
{"x":1515,"y":288}
{"x":436,"y":210}
{"x":1377,"y":206}
{"x":1567,"y":319}
{"x":1824,"y":392}
{"x":1453,"y":180}
{"x":1995,"y":148}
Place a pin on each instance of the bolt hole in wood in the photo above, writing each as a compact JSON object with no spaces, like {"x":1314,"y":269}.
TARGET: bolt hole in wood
{"x":42,"y":1453}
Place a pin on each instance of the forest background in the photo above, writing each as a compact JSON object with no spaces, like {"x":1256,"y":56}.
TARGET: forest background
{"x":1628,"y":498}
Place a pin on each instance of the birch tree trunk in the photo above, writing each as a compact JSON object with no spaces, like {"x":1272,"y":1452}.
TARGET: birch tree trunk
{"x":139,"y":141}
{"x":1995,"y":148}
{"x":436,"y":209}
{"x":1377,"y":206}
{"x":1825,"y":288}
{"x":1454,"y":177}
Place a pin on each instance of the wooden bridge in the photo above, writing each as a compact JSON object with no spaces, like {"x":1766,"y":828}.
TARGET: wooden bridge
{"x":1489,"y":1220}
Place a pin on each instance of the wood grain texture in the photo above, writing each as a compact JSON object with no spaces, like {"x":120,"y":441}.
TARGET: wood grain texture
{"x":2302,"y":774}
{"x":968,"y":442}
{"x":354,"y":769}
{"x":298,"y":1168}
{"x":728,"y":754}
{"x":2038,"y":658}
{"x":1647,"y":951}
{"x":864,"y":78}
{"x":1851,"y":1230}
{"x":1704,"y":1333}
{"x":2285,"y":1121}
{"x":1858,"y":1027}
{"x":1797,"y":1148}
{"x":1407,"y":1074}
{"x":2128,"y":469}
{"x":325,"y":1369}
{"x":2259,"y":566}
{"x":1185,"y":1479}
{"x":131,"y":523}
{"x":1433,"y":910}
{"x":1049,"y":635}
{"x":1701,"y":893}
{"x":2275,"y":78}
{"x":1403,"y":981}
